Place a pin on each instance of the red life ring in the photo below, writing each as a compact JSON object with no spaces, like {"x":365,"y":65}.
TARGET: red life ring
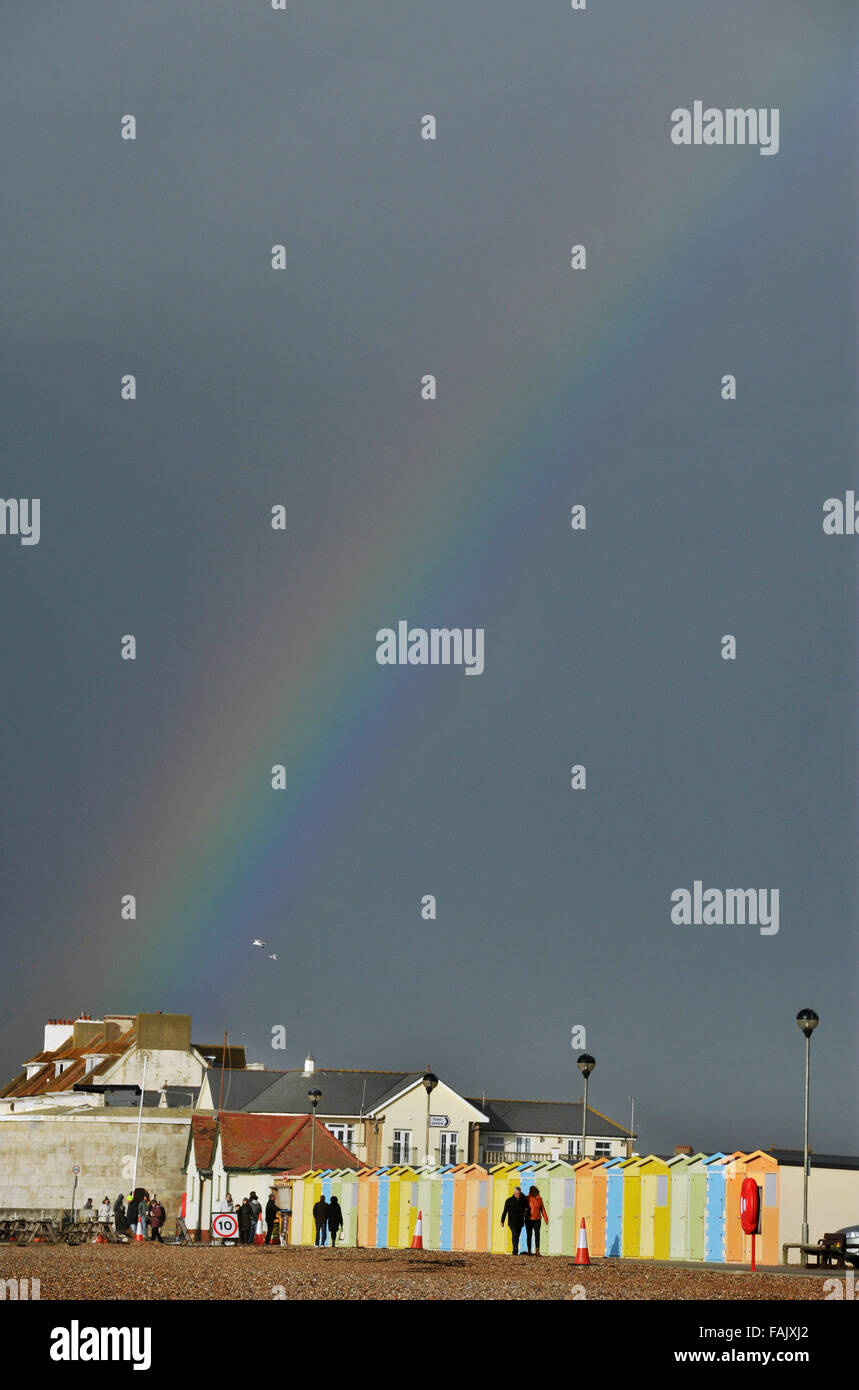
{"x":749,"y":1205}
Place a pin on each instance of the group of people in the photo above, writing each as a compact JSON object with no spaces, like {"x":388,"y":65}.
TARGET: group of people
{"x":328,"y":1217}
{"x":248,"y":1213}
{"x":128,"y":1212}
{"x":520,"y":1211}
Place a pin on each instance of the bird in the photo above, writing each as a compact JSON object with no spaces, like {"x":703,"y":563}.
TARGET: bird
{"x":272,"y":957}
{"x":256,"y":942}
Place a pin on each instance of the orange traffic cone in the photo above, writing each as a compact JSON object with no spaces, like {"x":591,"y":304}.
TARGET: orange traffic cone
{"x":259,"y":1233}
{"x":138,"y":1230}
{"x":582,"y":1256}
{"x":418,"y":1237}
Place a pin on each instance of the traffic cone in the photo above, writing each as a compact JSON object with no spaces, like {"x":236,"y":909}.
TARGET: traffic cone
{"x":259,"y":1233}
{"x":582,"y":1256}
{"x":418,"y":1237}
{"x":138,"y":1230}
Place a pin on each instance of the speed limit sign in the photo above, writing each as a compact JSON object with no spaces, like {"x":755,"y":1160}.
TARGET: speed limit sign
{"x":225,"y":1226}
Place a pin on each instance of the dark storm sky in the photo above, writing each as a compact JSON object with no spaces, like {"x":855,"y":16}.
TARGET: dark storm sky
{"x":555,"y":387}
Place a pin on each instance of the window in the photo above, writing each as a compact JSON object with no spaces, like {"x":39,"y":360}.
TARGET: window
{"x":345,"y":1133}
{"x":449,"y":1146}
{"x":523,"y":1145}
{"x":402,"y":1146}
{"x":574,"y":1148}
{"x":602,"y":1148}
{"x":495,"y":1142}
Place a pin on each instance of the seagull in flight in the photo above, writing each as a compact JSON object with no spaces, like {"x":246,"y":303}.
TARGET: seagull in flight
{"x":272,"y":957}
{"x":256,"y":942}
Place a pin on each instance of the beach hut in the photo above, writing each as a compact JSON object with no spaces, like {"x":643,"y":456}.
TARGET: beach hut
{"x":764,"y":1169}
{"x":588,"y":1202}
{"x":614,"y":1206}
{"x":366,"y":1228}
{"x":557,"y":1184}
{"x":446,"y":1176}
{"x":401,"y":1228}
{"x":714,"y":1240}
{"x":477,"y":1211}
{"x":348,"y":1198}
{"x":655,"y":1177}
{"x":503,"y":1178}
{"x":598,"y":1181}
{"x":679,"y":1194}
{"x":631,"y":1234}
{"x":696,"y":1225}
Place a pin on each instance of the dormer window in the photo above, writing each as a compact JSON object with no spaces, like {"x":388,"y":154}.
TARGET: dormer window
{"x":91,"y":1063}
{"x":60,"y":1067}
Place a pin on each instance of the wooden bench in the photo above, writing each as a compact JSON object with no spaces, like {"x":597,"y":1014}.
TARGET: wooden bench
{"x":830,"y":1252}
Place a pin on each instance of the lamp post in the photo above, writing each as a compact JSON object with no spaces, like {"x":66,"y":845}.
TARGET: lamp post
{"x":807,"y":1020}
{"x":585,"y":1064}
{"x":139,"y":1121}
{"x":430,"y":1082}
{"x":315,"y":1096}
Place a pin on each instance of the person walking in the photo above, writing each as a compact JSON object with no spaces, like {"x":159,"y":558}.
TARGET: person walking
{"x":536,"y":1213}
{"x":104,"y":1212}
{"x":157,"y":1217}
{"x":335,"y":1219}
{"x":270,"y":1216}
{"x":119,"y":1214}
{"x":320,"y":1216}
{"x":88,"y":1210}
{"x":244,"y":1215}
{"x":515,"y":1211}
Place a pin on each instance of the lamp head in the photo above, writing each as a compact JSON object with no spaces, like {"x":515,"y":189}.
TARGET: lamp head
{"x":807,"y":1021}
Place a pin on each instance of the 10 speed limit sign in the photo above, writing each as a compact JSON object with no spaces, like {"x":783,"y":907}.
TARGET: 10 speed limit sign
{"x":225,"y":1226}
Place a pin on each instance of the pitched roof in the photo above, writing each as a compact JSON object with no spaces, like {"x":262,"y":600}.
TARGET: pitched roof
{"x":344,"y":1092}
{"x":240,"y":1086}
{"x":278,"y":1143}
{"x":546,"y":1117}
{"x":46,"y":1082}
{"x":203,"y":1131}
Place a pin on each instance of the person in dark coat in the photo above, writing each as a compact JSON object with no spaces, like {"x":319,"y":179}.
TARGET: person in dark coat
{"x":244,"y":1215}
{"x":256,"y":1213}
{"x":157,"y":1217}
{"x":143,"y":1212}
{"x":133,"y":1210}
{"x":320,"y":1216}
{"x":335,"y":1218}
{"x":270,"y":1217}
{"x":514,"y":1214}
{"x":119,"y":1214}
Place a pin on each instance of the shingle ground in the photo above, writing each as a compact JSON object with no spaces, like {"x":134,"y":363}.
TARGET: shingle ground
{"x":258,"y":1272}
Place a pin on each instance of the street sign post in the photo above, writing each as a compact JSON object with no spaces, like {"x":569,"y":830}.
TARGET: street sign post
{"x":225,"y":1225}
{"x":439,"y":1121}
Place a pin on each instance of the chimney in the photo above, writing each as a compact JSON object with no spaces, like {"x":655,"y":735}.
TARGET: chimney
{"x":57,"y":1032}
{"x":309,"y":1065}
{"x":685,"y":1149}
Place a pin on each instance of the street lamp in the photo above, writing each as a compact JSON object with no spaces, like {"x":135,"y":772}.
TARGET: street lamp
{"x":315,"y":1095}
{"x":807,"y":1021}
{"x":585,"y":1064}
{"x":430,"y":1082}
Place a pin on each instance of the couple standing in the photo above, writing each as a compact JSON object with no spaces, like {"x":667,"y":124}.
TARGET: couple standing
{"x":529,"y":1211}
